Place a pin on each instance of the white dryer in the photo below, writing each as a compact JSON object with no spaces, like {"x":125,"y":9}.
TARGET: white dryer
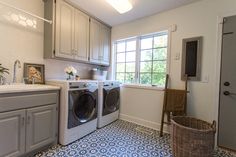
{"x":109,"y":102}
{"x":78,"y":109}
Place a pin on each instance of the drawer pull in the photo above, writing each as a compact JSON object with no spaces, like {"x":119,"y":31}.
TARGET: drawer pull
{"x":23,"y":121}
{"x":28,"y":120}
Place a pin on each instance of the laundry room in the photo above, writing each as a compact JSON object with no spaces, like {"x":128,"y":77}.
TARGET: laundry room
{"x":117,"y":78}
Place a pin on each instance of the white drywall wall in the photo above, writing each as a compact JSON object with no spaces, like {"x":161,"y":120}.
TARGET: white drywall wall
{"x":197,"y":19}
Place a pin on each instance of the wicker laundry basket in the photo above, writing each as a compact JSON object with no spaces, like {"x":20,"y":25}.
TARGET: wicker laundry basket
{"x":192,"y":137}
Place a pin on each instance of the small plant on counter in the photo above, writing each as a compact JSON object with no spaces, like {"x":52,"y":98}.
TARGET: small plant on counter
{"x":3,"y":70}
{"x":70,"y":71}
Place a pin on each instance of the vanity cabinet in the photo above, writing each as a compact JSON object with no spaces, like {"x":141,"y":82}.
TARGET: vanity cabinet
{"x":12,"y":133}
{"x":74,"y":35}
{"x":100,"y":36}
{"x":28,"y":122}
{"x":40,"y":126}
{"x":72,"y":32}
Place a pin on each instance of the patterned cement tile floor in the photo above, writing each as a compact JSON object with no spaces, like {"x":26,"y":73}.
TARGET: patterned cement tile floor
{"x":119,"y":139}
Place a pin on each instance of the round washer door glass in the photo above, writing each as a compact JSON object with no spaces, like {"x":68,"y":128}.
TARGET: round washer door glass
{"x":112,"y":100}
{"x":84,"y":107}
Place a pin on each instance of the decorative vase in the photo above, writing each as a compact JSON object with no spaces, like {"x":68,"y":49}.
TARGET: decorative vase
{"x":69,"y":77}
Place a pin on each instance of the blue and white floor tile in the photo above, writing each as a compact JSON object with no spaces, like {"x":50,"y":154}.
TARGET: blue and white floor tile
{"x":119,"y":139}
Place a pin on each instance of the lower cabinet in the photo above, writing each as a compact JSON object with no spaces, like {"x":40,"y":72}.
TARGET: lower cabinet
{"x":41,"y":127}
{"x":23,"y":131}
{"x":12,"y":133}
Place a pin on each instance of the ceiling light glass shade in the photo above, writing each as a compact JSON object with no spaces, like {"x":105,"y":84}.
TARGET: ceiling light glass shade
{"x":122,"y":6}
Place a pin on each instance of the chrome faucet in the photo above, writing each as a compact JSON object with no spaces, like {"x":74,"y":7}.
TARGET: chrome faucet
{"x":17,"y":62}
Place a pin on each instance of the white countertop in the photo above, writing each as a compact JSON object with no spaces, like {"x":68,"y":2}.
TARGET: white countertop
{"x":17,"y":88}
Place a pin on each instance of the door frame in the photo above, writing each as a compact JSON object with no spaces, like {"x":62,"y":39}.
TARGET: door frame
{"x":216,"y":97}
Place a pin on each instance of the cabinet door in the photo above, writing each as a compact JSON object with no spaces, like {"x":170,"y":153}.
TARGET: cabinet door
{"x":105,"y":45}
{"x":81,"y":36}
{"x":12,"y":133}
{"x":41,"y":127}
{"x":64,"y":30}
{"x":95,"y":41}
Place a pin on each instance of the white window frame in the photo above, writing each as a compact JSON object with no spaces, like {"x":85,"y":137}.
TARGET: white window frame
{"x":137,"y":65}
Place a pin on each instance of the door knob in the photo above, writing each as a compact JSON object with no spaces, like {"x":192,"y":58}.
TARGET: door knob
{"x":226,"y":84}
{"x":226,"y":93}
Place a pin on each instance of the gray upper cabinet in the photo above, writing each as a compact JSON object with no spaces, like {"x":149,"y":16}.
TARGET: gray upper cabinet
{"x":41,"y":124}
{"x":105,"y":45}
{"x":81,"y":36}
{"x":74,"y":35}
{"x":100,"y":37}
{"x":72,"y":32}
{"x":12,"y":133}
{"x":95,"y":41}
{"x":64,"y":47}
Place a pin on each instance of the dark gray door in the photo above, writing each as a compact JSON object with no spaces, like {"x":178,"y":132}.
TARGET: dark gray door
{"x":41,"y":127}
{"x":227,"y":112}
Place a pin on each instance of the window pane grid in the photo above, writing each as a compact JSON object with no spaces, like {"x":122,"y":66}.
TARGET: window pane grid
{"x":153,"y":48}
{"x":143,"y":60}
{"x":149,"y":60}
{"x":127,"y":51}
{"x":125,"y":61}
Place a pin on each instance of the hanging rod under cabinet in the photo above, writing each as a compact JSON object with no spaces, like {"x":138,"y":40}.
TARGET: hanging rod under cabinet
{"x":26,"y":12}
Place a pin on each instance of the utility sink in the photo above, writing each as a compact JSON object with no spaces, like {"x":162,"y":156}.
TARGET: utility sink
{"x":12,"y":88}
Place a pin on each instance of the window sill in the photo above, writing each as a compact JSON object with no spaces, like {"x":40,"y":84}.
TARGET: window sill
{"x":139,"y":86}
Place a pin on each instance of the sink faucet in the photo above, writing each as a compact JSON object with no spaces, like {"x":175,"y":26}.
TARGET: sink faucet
{"x":17,"y":62}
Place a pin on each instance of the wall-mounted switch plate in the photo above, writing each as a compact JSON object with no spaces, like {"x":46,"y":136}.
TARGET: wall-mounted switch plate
{"x":177,"y":56}
{"x":205,"y":78}
{"x":174,"y":28}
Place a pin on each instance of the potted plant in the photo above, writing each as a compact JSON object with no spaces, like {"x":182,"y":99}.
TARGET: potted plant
{"x":70,"y":71}
{"x":3,"y":71}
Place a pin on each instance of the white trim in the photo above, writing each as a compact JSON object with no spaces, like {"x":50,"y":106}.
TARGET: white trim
{"x":137,"y":64}
{"x":218,"y":65}
{"x":140,"y":86}
{"x":169,"y":51}
{"x":143,"y":122}
{"x":113,"y":62}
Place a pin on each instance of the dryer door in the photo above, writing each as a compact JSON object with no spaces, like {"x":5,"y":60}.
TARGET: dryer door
{"x":112,"y":100}
{"x":84,"y":107}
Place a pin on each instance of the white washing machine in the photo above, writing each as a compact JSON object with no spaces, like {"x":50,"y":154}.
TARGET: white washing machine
{"x":78,"y":109}
{"x":109,"y":102}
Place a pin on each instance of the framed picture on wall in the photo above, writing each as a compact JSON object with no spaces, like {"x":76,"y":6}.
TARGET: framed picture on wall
{"x":35,"y":73}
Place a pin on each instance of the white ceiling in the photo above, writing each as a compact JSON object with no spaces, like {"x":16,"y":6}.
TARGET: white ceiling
{"x":141,"y":8}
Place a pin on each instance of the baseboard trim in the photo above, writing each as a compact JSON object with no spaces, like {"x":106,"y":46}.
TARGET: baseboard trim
{"x":143,"y":122}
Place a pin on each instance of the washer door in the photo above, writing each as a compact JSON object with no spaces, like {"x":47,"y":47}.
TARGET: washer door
{"x":84,"y":107}
{"x":112,"y":100}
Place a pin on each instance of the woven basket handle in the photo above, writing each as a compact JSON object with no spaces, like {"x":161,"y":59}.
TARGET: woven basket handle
{"x":214,"y":126}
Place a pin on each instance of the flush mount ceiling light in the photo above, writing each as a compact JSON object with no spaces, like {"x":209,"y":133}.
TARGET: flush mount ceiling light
{"x":122,"y":6}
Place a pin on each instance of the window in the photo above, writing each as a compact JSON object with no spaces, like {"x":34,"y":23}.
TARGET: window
{"x":142,"y":60}
{"x":126,"y":61}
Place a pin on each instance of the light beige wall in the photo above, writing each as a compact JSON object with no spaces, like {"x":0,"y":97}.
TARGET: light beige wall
{"x":197,"y":19}
{"x":26,"y":43}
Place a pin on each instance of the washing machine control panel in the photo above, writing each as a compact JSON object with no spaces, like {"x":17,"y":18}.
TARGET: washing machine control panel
{"x":78,"y":85}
